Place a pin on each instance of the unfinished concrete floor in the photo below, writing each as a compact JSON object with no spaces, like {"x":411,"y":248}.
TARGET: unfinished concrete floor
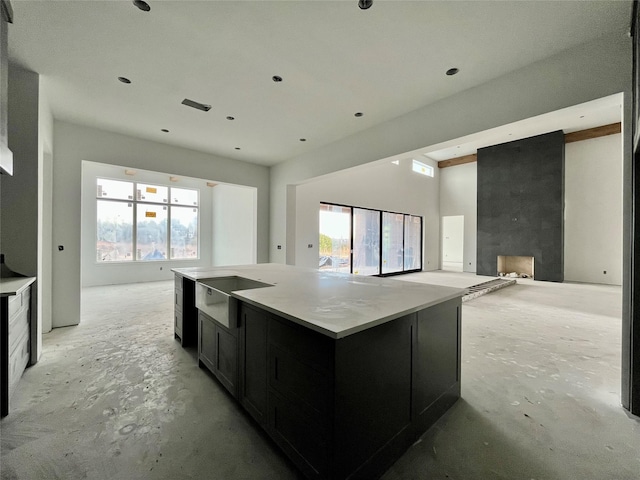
{"x":118,"y":398}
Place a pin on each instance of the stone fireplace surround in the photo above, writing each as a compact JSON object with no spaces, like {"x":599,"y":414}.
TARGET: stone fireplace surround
{"x":521,"y":204}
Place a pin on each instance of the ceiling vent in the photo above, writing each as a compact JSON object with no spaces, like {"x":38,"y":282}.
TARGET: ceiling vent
{"x":196,"y":105}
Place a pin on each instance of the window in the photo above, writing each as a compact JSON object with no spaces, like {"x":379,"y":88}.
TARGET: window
{"x":369,"y":242}
{"x":422,"y":168}
{"x":152,"y":209}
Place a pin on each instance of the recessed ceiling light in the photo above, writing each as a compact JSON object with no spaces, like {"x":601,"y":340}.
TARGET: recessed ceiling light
{"x":303,"y":139}
{"x":231,"y":118}
{"x":365,"y":4}
{"x":452,"y":71}
{"x":124,"y":79}
{"x":276,"y":78}
{"x":358,"y":114}
{"x":142,"y":5}
{"x":164,"y":130}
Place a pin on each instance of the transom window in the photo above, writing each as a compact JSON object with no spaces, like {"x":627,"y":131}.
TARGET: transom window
{"x":165,"y":220}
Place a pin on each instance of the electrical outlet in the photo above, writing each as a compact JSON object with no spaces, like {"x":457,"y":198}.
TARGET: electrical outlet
{"x":310,"y":245}
{"x":279,"y":247}
{"x":605,"y":272}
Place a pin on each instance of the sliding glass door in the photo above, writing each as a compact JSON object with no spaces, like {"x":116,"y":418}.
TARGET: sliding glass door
{"x":335,"y":238}
{"x":366,"y":242}
{"x":392,"y":242}
{"x":412,"y":242}
{"x":369,"y":242}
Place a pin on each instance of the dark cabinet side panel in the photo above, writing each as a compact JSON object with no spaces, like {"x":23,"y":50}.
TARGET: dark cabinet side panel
{"x":373,"y":391}
{"x":436,"y":353}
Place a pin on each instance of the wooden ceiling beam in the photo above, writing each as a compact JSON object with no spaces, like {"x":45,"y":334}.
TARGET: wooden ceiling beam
{"x":596,"y":132}
{"x":458,"y":161}
{"x":587,"y":134}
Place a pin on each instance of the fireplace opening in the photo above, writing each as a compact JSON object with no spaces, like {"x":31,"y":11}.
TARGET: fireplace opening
{"x":515,"y":266}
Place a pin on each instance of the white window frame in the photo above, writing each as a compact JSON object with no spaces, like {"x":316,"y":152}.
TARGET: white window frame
{"x":134,"y":234}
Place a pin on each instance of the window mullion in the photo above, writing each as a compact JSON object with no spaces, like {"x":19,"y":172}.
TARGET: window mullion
{"x":134,"y":205}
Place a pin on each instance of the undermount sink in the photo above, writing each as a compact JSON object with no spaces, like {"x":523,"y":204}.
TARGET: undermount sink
{"x":213,"y":297}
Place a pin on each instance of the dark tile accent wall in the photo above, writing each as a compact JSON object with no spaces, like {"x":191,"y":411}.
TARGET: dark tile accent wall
{"x":521,"y":204}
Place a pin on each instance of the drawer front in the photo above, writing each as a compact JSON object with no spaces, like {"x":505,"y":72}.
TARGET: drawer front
{"x":309,"y":347}
{"x":18,"y":361}
{"x":177,"y":321}
{"x":178,"y":282}
{"x":18,"y":327}
{"x":19,"y":301}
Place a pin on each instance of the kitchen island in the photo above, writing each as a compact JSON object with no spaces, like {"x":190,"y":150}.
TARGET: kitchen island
{"x":343,"y":372}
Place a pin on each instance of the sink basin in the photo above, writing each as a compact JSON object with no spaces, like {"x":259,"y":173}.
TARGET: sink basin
{"x":213,"y":297}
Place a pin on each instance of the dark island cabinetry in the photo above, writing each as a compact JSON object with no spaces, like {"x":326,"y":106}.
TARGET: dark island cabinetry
{"x":343,"y":390}
{"x":348,"y":408}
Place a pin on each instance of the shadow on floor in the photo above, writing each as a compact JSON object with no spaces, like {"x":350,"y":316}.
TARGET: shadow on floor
{"x":465,"y":444}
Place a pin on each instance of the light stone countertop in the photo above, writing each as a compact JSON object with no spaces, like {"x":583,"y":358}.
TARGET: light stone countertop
{"x":12,"y":285}
{"x":334,"y":304}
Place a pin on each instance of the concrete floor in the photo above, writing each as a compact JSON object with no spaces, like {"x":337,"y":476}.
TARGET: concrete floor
{"x":117,"y":398}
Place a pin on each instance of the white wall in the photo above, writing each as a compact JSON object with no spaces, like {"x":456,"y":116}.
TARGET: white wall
{"x":382,"y":186}
{"x":593,"y":211}
{"x":20,"y":192}
{"x":45,"y":209}
{"x":458,"y":196}
{"x":234,"y":225}
{"x":94,"y":273}
{"x":75,"y":143}
{"x":586,"y":72}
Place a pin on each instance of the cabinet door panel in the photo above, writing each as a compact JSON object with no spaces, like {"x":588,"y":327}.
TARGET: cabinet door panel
{"x":207,"y":342}
{"x":254,"y":362}
{"x":226,"y":367}
{"x":299,"y":436}
{"x":297,"y":380}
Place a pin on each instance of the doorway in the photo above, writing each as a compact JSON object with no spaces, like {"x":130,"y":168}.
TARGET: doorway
{"x":452,"y":243}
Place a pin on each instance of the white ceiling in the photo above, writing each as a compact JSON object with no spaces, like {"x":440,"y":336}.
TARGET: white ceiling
{"x":335,"y":60}
{"x":603,"y":111}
